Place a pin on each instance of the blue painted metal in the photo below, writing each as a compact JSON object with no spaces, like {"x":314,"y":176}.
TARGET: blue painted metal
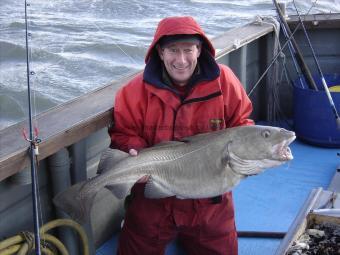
{"x":313,"y":118}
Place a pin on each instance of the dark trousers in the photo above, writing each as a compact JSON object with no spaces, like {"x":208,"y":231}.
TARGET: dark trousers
{"x":202,"y":226}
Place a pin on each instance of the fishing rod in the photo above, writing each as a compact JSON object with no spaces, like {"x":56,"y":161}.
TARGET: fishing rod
{"x":298,"y":55}
{"x":32,"y":150}
{"x":292,"y":53}
{"x":337,"y":118}
{"x":274,"y":59}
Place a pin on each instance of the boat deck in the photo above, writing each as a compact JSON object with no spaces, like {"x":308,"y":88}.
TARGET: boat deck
{"x":270,"y":201}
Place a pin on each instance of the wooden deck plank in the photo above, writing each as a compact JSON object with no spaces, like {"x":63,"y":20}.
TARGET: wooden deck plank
{"x":240,"y":36}
{"x":316,"y":21}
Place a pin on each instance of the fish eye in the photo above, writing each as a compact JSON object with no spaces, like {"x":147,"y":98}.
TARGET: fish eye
{"x":266,"y":133}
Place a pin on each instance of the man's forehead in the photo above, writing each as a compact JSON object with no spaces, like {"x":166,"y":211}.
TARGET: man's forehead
{"x":181,"y":44}
{"x":171,"y":39}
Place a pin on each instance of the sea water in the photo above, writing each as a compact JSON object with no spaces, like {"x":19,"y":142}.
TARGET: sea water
{"x":77,"y":46}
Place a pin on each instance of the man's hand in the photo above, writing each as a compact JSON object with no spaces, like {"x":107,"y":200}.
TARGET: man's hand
{"x":133,"y":152}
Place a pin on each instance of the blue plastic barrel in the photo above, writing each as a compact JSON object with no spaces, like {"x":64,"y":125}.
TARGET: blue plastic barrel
{"x":314,"y":120}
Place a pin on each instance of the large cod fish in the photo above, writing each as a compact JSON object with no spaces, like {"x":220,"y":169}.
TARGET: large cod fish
{"x":200,"y":166}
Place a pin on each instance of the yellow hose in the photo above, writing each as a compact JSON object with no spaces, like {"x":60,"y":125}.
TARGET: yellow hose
{"x":55,"y":241}
{"x":68,"y":222}
{"x":10,"y":250}
{"x":47,"y":251}
{"x":23,"y":249}
{"x":18,"y":243}
{"x":10,"y":241}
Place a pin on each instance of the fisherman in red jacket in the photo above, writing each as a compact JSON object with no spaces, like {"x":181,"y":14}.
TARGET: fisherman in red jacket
{"x":182,"y":92}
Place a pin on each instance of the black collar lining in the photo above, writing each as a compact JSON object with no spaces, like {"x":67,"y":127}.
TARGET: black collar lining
{"x":205,"y":98}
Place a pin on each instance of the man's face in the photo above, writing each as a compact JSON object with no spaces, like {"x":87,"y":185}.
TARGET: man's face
{"x":180,"y":60}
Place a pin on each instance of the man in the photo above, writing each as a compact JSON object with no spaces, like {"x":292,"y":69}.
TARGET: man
{"x":181,"y":92}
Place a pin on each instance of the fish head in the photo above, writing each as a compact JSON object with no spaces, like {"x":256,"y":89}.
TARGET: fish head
{"x":251,"y":149}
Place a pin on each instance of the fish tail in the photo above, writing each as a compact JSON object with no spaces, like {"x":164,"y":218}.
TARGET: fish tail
{"x":75,"y":202}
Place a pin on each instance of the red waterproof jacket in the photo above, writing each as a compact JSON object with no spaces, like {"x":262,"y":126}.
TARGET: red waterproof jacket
{"x":147,"y":111}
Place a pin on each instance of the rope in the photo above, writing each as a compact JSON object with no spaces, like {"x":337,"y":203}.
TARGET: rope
{"x":28,"y":237}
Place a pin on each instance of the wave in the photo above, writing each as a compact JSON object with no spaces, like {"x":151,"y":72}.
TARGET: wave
{"x":11,"y":51}
{"x":326,"y":6}
{"x":14,"y":105}
{"x":10,"y":107}
{"x":17,"y":24}
{"x":109,"y":52}
{"x":232,"y":2}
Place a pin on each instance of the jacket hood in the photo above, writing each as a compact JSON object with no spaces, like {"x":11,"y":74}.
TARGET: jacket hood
{"x":179,"y":25}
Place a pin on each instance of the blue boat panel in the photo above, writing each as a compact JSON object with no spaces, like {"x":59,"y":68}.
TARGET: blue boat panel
{"x":257,"y":246}
{"x":314,"y":120}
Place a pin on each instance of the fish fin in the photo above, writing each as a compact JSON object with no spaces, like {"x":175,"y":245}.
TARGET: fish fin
{"x":154,"y":189}
{"x":164,"y":145}
{"x":200,"y":137}
{"x":109,"y":158}
{"x":70,"y":201}
{"x":120,"y":190}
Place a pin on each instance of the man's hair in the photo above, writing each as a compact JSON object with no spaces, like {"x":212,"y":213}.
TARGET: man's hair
{"x":165,"y":40}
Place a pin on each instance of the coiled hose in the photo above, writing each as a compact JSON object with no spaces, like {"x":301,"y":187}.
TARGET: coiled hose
{"x":23,"y":243}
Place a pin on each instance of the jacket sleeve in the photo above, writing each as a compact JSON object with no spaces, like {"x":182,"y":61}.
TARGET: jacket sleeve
{"x":127,"y":131}
{"x":237,"y":104}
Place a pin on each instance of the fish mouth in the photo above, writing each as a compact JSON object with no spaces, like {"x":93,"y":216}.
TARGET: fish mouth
{"x":283,"y":151}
